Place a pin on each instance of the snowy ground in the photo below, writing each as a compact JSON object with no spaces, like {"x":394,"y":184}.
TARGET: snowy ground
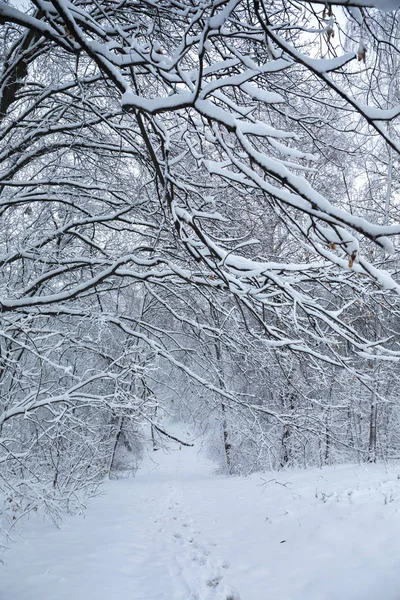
{"x":178,"y":532}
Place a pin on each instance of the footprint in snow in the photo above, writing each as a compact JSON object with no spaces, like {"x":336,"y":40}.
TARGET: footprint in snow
{"x":214,"y":581}
{"x":232,"y":596}
{"x":200,"y":560}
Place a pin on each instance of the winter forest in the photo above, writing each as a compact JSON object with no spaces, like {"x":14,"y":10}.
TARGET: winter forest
{"x":199,"y":205}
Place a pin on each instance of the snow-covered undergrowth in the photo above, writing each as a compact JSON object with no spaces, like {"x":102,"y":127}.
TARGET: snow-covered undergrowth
{"x":178,"y":532}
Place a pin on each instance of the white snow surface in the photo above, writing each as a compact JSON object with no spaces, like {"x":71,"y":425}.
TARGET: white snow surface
{"x":179,"y":532}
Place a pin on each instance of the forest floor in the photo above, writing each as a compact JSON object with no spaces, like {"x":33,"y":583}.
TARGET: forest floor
{"x":179,"y":532}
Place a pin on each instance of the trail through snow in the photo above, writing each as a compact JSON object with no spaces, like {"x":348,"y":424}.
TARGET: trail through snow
{"x":178,"y":532}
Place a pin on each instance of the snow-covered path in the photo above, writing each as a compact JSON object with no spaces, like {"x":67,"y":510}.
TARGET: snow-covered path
{"x":177,"y":532}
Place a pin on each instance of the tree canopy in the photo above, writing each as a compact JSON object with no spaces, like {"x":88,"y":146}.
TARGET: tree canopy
{"x":199,"y":208}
